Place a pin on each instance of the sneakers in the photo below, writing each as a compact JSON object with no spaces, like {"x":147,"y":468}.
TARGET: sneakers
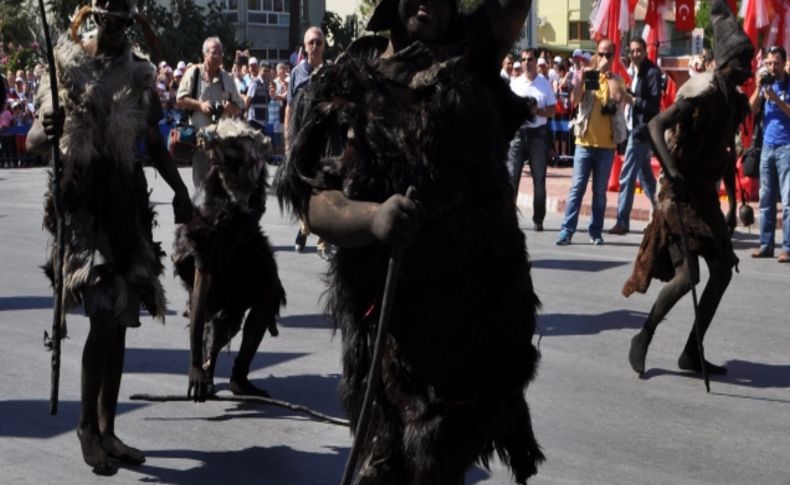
{"x":300,"y":241}
{"x":596,"y":240}
{"x":763,"y":253}
{"x":618,"y":230}
{"x":564,"y":238}
{"x":784,"y":257}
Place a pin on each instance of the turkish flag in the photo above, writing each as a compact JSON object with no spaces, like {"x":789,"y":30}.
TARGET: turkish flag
{"x":684,"y":15}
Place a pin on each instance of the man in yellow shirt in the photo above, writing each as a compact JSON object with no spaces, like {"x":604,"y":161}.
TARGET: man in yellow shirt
{"x":599,"y":126}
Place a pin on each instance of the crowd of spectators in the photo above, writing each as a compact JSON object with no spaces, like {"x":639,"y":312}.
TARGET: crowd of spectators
{"x":17,"y":111}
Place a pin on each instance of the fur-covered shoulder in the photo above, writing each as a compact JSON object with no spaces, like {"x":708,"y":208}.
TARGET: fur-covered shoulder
{"x":698,"y":86}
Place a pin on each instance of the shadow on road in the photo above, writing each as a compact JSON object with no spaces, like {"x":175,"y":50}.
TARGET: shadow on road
{"x":315,"y":320}
{"x":559,"y":324}
{"x":31,"y":418}
{"x":586,"y":265}
{"x":176,"y":361}
{"x":740,"y":373}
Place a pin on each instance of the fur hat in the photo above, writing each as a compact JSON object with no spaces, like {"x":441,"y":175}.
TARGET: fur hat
{"x":730,"y":41}
{"x":132,"y":7}
{"x":386,"y":14}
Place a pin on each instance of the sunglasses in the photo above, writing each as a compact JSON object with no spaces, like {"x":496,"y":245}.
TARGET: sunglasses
{"x":607,"y":55}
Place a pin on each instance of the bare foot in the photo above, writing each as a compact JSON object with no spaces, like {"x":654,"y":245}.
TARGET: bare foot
{"x":241,"y":386}
{"x":118,"y":449}
{"x":93,"y":453}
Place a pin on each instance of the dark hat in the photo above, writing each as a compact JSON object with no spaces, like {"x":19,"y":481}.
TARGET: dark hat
{"x":386,"y":14}
{"x":730,"y":40}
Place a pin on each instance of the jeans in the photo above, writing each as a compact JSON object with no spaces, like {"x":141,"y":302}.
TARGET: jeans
{"x":774,"y":184}
{"x":586,"y":160}
{"x":636,"y":163}
{"x":530,"y":144}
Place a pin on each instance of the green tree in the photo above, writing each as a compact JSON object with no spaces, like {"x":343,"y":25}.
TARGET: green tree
{"x":702,"y":20}
{"x":339,"y":33}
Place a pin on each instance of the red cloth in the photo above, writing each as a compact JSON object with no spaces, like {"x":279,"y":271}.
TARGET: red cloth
{"x":668,"y":98}
{"x":614,"y":174}
{"x":684,"y":15}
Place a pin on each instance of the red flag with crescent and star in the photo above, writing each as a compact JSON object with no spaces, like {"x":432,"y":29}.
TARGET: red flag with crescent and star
{"x":684,"y":15}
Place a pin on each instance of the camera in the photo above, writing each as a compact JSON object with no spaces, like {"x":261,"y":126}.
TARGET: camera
{"x":216,"y":111}
{"x":766,"y":79}
{"x":609,"y":109}
{"x":591,"y":82}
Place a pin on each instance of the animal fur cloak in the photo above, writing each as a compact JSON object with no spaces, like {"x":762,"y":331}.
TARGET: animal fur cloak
{"x":110,"y":253}
{"x":224,"y":238}
{"x":459,"y":353}
{"x":711,"y":128}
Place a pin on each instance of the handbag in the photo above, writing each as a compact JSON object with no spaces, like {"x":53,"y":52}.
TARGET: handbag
{"x":182,"y":143}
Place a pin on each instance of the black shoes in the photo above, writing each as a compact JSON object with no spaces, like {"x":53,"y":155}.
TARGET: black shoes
{"x":618,"y":230}
{"x":300,"y":241}
{"x":638,"y":352}
{"x":691,"y":363}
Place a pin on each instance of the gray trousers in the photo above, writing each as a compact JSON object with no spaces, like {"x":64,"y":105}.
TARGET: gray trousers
{"x":530,"y":145}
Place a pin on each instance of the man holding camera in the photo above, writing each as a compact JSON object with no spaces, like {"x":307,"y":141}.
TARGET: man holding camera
{"x":772,"y":96}
{"x":599,"y":126}
{"x":643,"y":103}
{"x":531,"y":141}
{"x":207,"y":93}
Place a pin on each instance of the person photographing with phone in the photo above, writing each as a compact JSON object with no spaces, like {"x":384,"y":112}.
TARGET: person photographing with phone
{"x":772,"y":97}
{"x":599,"y":126}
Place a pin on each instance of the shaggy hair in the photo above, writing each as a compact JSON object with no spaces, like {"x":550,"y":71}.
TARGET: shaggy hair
{"x":109,"y":241}
{"x":459,"y":353}
{"x":224,"y":237}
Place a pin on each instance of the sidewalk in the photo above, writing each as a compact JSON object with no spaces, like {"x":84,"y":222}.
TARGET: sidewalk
{"x":558,"y":182}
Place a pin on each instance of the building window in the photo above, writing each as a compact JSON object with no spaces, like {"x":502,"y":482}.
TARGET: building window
{"x":229,"y":4}
{"x":268,"y":12}
{"x":578,"y":30}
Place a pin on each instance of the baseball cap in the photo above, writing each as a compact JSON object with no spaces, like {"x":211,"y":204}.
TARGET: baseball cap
{"x":516,"y":65}
{"x":178,"y":72}
{"x":542,"y":61}
{"x":586,"y":56}
{"x":253,"y":60}
{"x":20,"y":80}
{"x":558,"y":60}
{"x":578,"y":54}
{"x":181,"y":65}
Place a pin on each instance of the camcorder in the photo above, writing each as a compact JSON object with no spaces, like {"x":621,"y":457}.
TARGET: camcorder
{"x":591,"y":82}
{"x":216,"y":112}
{"x":609,"y":108}
{"x":766,"y":79}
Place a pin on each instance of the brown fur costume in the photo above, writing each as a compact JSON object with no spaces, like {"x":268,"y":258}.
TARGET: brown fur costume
{"x":224,"y":238}
{"x":711,"y":127}
{"x":459,"y":353}
{"x":110,"y":250}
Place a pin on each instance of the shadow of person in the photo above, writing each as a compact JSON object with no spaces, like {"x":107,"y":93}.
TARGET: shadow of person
{"x":22,"y":418}
{"x":563,"y":324}
{"x":277,"y":465}
{"x":585,"y":265}
{"x":739,"y":373}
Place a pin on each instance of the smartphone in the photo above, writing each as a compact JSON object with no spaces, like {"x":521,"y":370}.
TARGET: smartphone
{"x":591,"y":80}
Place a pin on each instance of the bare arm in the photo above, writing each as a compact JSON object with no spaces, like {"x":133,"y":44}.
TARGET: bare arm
{"x":352,"y":223}
{"x":756,"y":99}
{"x":656,"y":128}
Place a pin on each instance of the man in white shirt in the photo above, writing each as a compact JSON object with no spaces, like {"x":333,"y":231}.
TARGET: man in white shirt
{"x":531,"y":142}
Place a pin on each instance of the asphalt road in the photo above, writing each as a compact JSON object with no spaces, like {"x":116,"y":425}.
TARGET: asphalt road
{"x":597,"y":422}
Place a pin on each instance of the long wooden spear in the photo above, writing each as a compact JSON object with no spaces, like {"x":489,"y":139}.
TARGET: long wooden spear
{"x":53,"y":342}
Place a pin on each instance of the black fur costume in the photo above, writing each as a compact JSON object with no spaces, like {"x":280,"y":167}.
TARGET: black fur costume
{"x":224,"y":237}
{"x":460,"y":351}
{"x":111,"y":259}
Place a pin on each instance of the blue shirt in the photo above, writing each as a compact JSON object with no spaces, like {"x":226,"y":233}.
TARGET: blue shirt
{"x":776,"y":122}
{"x":299,"y":77}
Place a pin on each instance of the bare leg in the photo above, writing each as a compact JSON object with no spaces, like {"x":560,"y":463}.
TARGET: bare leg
{"x":720,"y":277}
{"x":667,"y":297}
{"x":108,"y":404}
{"x":94,"y":364}
{"x":260,"y":318}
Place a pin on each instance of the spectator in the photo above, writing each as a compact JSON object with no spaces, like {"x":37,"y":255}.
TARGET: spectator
{"x":507,"y":68}
{"x":543,"y":69}
{"x":599,"y":126}
{"x":562,"y":88}
{"x":643,"y":103}
{"x":531,"y":139}
{"x":555,"y":64}
{"x":3,"y":91}
{"x":281,"y":84}
{"x":300,"y":76}
{"x":207,"y":93}
{"x":772,"y":96}
{"x":256,"y":103}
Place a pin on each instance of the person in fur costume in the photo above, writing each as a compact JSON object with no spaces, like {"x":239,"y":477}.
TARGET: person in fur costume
{"x":112,"y":264}
{"x":424,"y":108}
{"x":694,"y":142}
{"x":225,"y":261}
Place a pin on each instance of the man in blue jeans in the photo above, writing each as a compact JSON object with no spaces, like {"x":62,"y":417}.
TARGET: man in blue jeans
{"x":773,"y":95}
{"x":599,"y":126}
{"x":643,"y":103}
